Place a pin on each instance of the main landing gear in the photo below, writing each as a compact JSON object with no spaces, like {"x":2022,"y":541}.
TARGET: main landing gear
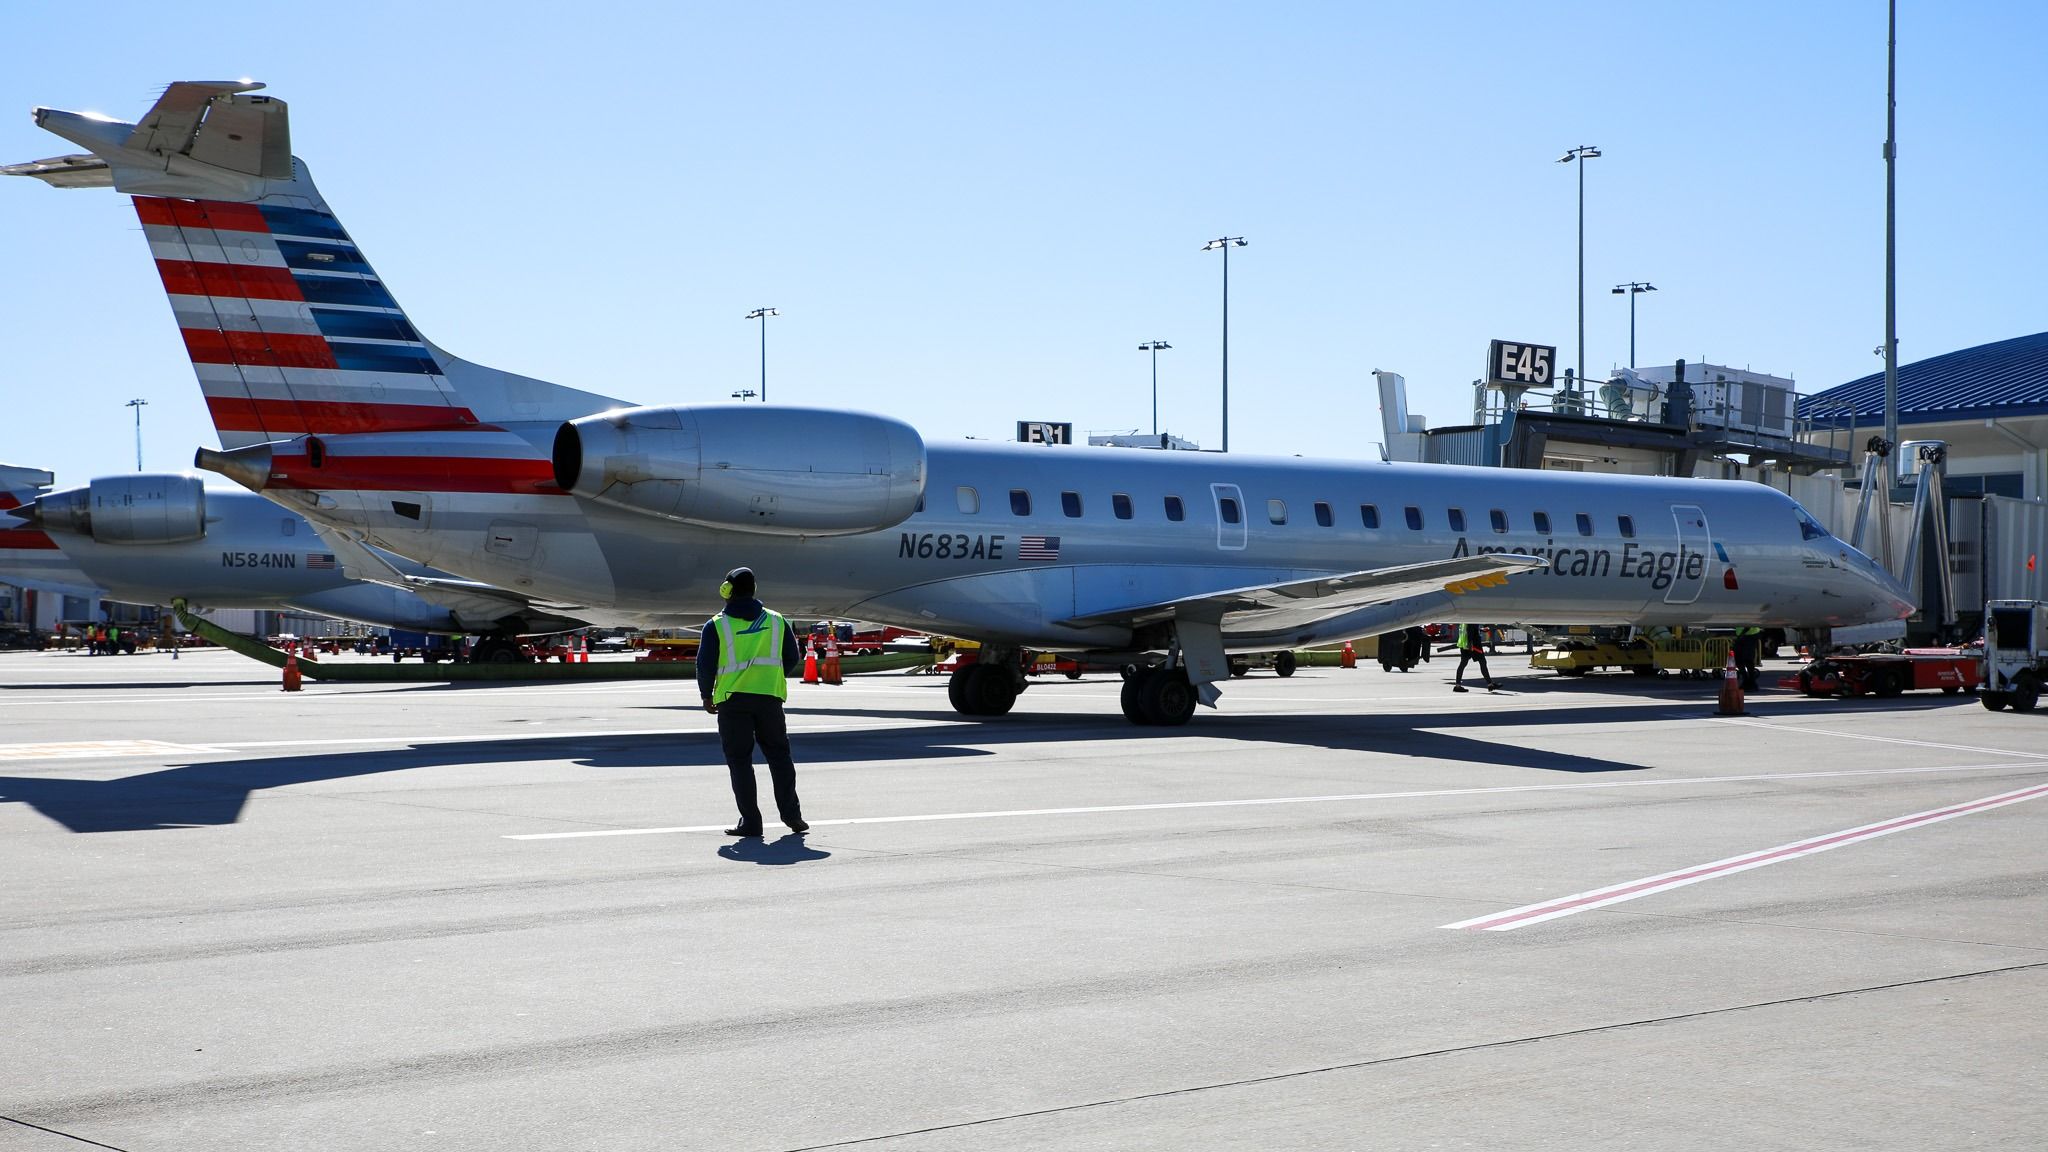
{"x":988,"y":687}
{"x":1159,"y":695}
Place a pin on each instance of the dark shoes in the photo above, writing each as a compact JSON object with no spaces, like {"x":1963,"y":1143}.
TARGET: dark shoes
{"x":1459,"y":688}
{"x":799,"y":828}
{"x":743,"y":830}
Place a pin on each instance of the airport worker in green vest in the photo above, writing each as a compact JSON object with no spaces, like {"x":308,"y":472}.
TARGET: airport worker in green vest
{"x":1472,"y":646}
{"x":745,"y":658}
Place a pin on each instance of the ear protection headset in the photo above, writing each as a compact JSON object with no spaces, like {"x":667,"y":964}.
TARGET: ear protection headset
{"x":725,"y":590}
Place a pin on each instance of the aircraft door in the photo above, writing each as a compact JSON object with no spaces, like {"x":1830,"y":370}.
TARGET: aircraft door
{"x":1230,"y":514}
{"x":1689,"y":577}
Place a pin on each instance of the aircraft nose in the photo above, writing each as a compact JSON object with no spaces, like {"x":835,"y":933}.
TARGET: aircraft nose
{"x":1893,"y":600}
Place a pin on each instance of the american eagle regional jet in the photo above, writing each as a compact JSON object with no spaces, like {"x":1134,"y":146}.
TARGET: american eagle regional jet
{"x":328,"y":401}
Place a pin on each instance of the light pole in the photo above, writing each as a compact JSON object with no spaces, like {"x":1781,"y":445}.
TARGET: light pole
{"x":138,"y":405}
{"x":1582,"y":153}
{"x":762,"y":314}
{"x":1155,"y":347}
{"x":1633,"y":290}
{"x":1226,"y":243}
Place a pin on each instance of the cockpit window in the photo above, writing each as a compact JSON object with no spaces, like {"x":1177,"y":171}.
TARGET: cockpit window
{"x":1809,"y":528}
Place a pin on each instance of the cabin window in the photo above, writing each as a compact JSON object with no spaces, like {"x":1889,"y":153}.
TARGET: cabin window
{"x":1809,"y":528}
{"x":1500,"y":520}
{"x":1457,"y":519}
{"x":1585,"y":524}
{"x":1070,"y":503}
{"x":1276,"y":511}
{"x":967,"y":500}
{"x":1175,"y":511}
{"x":1120,"y":503}
{"x":1627,"y":525}
{"x":1020,"y":502}
{"x":1228,"y":509}
{"x":1369,"y":515}
{"x":1414,"y":518}
{"x":1543,"y":523}
{"x":1324,"y":517}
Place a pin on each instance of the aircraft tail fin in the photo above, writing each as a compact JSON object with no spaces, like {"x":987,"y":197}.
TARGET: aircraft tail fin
{"x":290,"y":330}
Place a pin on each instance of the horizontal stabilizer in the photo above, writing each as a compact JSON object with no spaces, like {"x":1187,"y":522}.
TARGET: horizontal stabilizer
{"x":78,"y":170}
{"x":201,"y":140}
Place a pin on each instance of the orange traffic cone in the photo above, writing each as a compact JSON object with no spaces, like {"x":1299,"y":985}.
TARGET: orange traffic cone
{"x":582,"y":648}
{"x":832,"y":660}
{"x":291,"y":670}
{"x":1731,"y":691}
{"x":1349,"y":659}
{"x":811,"y":663}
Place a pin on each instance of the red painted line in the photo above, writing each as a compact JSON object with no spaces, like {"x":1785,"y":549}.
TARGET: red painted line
{"x":27,"y":540}
{"x":232,"y":281}
{"x":257,"y":349}
{"x":1620,"y":892}
{"x":521,"y":476}
{"x":281,"y":418}
{"x":218,"y":214}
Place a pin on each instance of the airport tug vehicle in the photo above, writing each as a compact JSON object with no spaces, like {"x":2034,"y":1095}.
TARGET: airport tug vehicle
{"x":2015,"y":654}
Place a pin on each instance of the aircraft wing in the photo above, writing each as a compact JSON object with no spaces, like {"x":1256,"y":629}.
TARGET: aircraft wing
{"x":1293,"y":599}
{"x":473,"y":604}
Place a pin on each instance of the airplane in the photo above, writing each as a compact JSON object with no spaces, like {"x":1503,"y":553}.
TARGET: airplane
{"x":329,"y":401}
{"x":29,"y":557}
{"x":151,"y":538}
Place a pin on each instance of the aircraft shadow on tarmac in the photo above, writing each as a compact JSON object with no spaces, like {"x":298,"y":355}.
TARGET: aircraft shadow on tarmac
{"x":214,"y":792}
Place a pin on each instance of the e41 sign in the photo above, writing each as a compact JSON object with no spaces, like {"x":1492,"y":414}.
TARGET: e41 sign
{"x":1045,"y":431}
{"x":1508,"y":362}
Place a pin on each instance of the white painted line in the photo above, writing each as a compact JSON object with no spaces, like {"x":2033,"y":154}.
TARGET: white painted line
{"x":1347,"y":798}
{"x":1650,"y":885}
{"x":97,"y":750}
{"x":1879,"y":739}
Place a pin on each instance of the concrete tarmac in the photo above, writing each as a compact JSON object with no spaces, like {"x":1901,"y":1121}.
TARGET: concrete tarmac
{"x":1350,"y":910}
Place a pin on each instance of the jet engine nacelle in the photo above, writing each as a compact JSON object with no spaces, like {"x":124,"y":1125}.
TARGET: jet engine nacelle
{"x":166,"y":508}
{"x":784,"y":471}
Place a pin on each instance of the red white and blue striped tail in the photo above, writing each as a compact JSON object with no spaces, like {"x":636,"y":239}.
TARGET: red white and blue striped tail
{"x":290,"y":330}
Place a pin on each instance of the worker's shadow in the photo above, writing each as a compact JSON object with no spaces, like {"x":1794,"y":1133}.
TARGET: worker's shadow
{"x":790,"y":849}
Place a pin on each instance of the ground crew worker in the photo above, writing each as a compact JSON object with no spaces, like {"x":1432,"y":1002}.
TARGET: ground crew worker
{"x":1472,"y":646}
{"x":745,"y":658}
{"x":1748,"y":645}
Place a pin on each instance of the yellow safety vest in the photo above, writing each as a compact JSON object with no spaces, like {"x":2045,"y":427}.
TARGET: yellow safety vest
{"x":750,"y":656}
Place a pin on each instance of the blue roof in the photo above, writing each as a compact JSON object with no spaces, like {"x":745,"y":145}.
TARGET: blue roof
{"x":2008,"y":378}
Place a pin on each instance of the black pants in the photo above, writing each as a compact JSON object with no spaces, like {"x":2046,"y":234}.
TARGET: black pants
{"x":744,"y":720}
{"x":1466,"y":656}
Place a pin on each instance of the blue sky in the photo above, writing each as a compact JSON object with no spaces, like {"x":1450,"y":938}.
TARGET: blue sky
{"x":970,"y":215}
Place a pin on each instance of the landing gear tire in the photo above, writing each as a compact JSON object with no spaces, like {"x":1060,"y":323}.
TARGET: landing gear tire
{"x":497,"y":650}
{"x":956,"y":688}
{"x":1133,"y":700}
{"x":1166,"y":697}
{"x":2026,"y":692}
{"x":1995,"y":701}
{"x":993,"y":692}
{"x":1283,"y":665}
{"x":1239,"y":669}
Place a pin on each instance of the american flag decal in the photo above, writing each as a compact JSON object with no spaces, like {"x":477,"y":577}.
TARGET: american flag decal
{"x":319,"y":560}
{"x":1038,"y":547}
